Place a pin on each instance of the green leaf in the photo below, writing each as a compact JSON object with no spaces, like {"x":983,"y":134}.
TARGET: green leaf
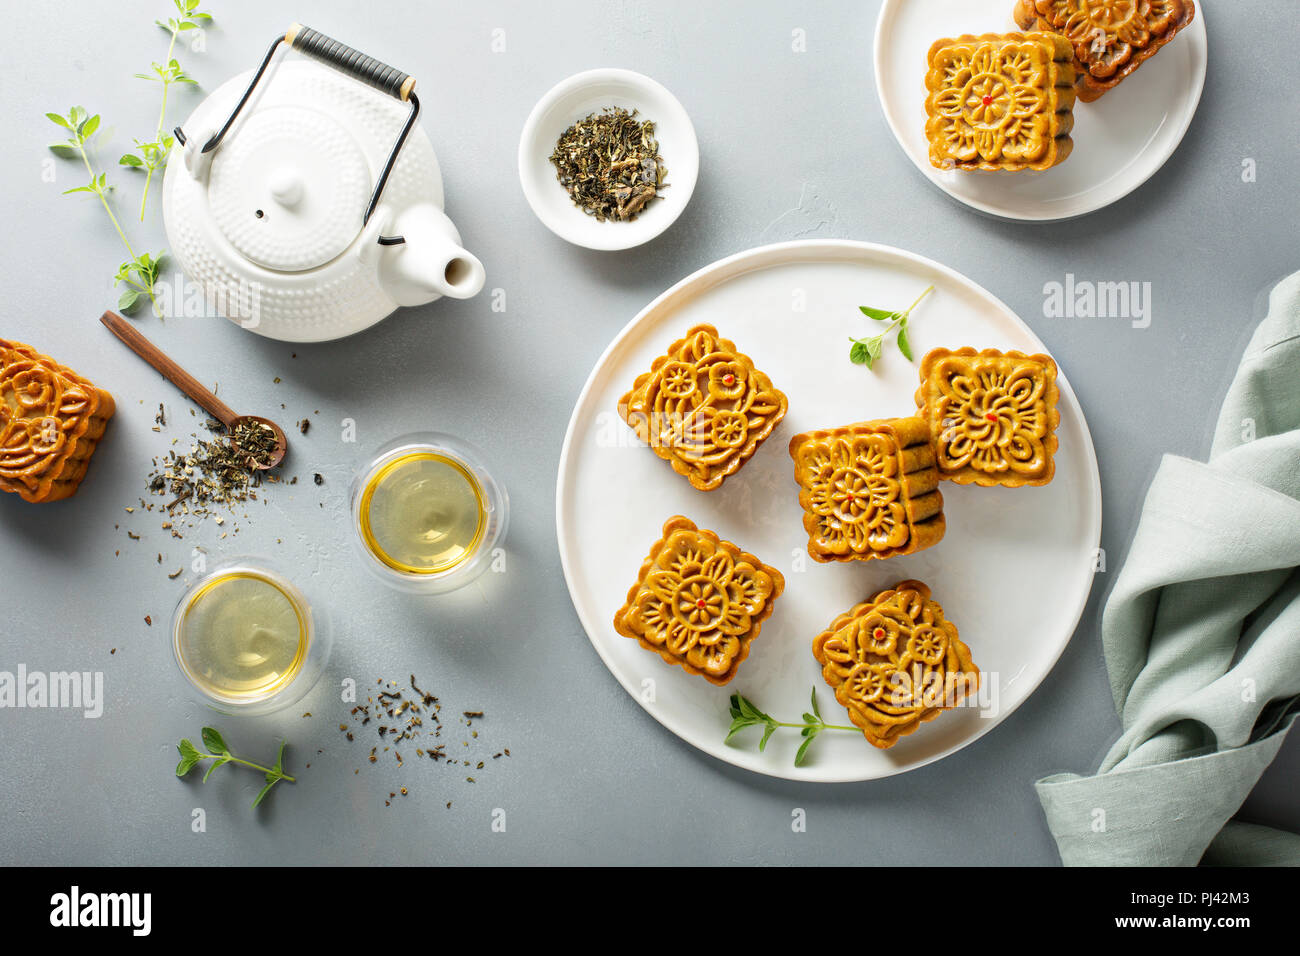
{"x":803,"y":750}
{"x":866,"y":351}
{"x":880,"y":315}
{"x":816,"y":710}
{"x":128,"y":301}
{"x":278,"y":769}
{"x":189,"y":757}
{"x":211,"y":736}
{"x":189,"y":25}
{"x":264,"y":791}
{"x":190,"y":5}
{"x":904,"y":345}
{"x":88,"y":128}
{"x":205,"y":17}
{"x":79,"y":189}
{"x":130,"y":159}
{"x":771,"y":729}
{"x":56,"y":118}
{"x":220,"y":761}
{"x":64,"y":150}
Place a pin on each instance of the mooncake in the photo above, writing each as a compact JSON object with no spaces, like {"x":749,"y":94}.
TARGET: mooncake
{"x":703,"y":407}
{"x":992,"y":416}
{"x":1111,"y":38}
{"x":896,"y":662}
{"x":699,"y":601}
{"x":51,"y":420}
{"x":1000,"y":101}
{"x":868,"y":490}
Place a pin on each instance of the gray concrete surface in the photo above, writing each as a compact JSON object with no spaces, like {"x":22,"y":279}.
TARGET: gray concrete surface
{"x":793,"y":145}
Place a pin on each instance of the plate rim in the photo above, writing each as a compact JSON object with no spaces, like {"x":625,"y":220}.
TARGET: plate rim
{"x":1197,"y":32}
{"x":724,"y":270}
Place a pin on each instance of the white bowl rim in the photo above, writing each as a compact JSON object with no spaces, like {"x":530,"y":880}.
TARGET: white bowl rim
{"x":683,"y":169}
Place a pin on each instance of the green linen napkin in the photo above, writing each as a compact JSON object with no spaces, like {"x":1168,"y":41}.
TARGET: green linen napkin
{"x":1202,"y":637}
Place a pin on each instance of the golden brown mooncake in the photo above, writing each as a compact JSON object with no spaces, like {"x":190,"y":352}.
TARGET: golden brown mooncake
{"x":1000,"y":102}
{"x":895,"y":662}
{"x":51,"y":420}
{"x":868,"y":490}
{"x":992,"y":415}
{"x":1111,"y":38}
{"x":703,"y":407}
{"x":699,"y":601}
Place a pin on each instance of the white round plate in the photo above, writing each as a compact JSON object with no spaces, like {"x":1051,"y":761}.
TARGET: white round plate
{"x":590,"y":92}
{"x":1013,"y":571}
{"x":1120,"y":141}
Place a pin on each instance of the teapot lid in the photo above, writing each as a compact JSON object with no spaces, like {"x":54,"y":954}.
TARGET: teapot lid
{"x":290,"y":190}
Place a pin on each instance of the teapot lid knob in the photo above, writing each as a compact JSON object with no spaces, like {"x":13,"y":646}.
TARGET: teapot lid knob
{"x":286,"y":187}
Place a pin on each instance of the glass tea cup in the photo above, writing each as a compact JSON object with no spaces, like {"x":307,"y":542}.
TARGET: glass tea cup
{"x":247,"y":639}
{"x":427,"y":516}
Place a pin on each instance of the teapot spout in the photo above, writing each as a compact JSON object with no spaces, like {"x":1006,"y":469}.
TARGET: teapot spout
{"x":431,"y":262}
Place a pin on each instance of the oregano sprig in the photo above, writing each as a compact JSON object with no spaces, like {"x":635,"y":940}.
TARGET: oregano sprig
{"x":152,"y":156}
{"x":191,"y":757}
{"x":745,"y":714}
{"x":140,"y":272}
{"x":866,"y":351}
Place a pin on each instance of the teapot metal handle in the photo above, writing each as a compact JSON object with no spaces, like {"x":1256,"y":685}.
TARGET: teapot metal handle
{"x":345,"y":59}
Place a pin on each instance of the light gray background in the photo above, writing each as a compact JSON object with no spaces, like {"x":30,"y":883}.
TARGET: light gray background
{"x":793,"y":145}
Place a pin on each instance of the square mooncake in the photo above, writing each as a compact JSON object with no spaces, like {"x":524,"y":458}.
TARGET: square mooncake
{"x":868,"y":490}
{"x":1000,"y":101}
{"x":699,"y":601}
{"x":51,"y":420}
{"x":992,"y":415}
{"x":1111,"y":38}
{"x":895,"y":662}
{"x":703,"y":407}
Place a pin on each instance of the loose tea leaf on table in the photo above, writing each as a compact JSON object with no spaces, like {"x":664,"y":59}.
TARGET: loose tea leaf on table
{"x":610,"y":165}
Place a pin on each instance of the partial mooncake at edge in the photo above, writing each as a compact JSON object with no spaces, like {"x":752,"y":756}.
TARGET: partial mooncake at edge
{"x":1111,"y":38}
{"x":703,"y":407}
{"x":1000,"y":102}
{"x":992,"y":415}
{"x":699,"y":601}
{"x":868,"y":490}
{"x":51,"y":420}
{"x":895,"y":662}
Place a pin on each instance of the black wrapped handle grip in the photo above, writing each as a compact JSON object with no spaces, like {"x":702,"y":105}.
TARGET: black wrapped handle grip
{"x":354,"y":63}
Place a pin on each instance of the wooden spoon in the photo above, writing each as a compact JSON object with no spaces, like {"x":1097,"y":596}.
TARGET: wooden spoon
{"x":188,"y":384}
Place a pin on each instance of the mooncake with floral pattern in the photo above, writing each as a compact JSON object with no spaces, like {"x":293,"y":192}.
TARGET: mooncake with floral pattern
{"x":1111,"y":38}
{"x":1000,"y":102}
{"x":703,"y":407}
{"x":51,"y":420}
{"x":699,"y":601}
{"x":992,"y":415}
{"x":896,"y":662}
{"x":868,"y":490}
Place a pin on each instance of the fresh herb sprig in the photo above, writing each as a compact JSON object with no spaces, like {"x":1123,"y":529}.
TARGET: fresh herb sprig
{"x":866,"y":351}
{"x":138,"y":276}
{"x":152,"y":156}
{"x":191,"y":757}
{"x":745,"y":714}
{"x":139,"y":273}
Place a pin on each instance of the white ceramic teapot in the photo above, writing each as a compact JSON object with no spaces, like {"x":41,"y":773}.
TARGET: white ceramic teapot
{"x":307,"y":202}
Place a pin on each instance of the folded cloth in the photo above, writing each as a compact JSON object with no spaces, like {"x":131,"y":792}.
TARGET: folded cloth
{"x":1202,"y":637}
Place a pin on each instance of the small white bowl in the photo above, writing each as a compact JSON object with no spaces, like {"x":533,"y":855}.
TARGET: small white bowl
{"x":572,"y":100}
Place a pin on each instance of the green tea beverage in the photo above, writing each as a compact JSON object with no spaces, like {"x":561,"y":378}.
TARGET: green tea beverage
{"x":422,"y":513}
{"x":242,"y":636}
